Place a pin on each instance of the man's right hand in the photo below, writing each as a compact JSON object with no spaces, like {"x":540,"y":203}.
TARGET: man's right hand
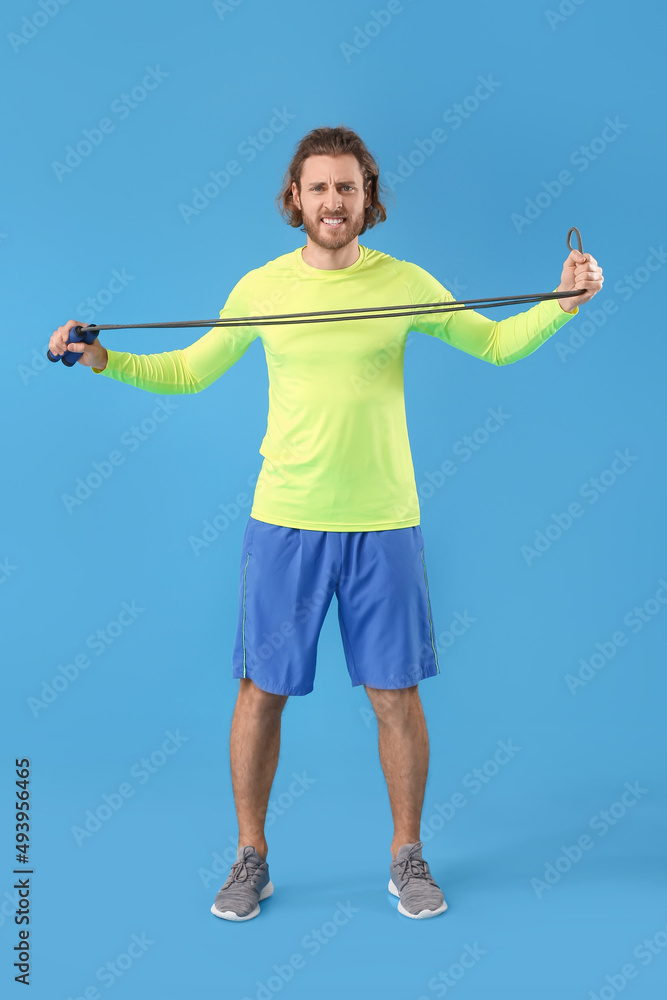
{"x":92,"y":355}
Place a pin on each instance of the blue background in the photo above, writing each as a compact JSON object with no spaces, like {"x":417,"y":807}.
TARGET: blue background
{"x":154,"y":865}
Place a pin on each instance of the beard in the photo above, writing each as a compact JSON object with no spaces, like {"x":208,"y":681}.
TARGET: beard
{"x":333,"y":239}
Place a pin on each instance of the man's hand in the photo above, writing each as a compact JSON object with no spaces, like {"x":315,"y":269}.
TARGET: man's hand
{"x":580,"y":270}
{"x":92,"y":355}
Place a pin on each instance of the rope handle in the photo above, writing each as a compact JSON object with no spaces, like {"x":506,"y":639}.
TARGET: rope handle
{"x":580,"y":246}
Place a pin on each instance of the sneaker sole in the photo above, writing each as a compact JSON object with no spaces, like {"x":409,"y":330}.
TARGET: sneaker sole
{"x":230,"y":915}
{"x":415,"y":916}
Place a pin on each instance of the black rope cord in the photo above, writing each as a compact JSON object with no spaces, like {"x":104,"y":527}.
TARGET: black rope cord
{"x":333,"y":315}
{"x":367,"y":312}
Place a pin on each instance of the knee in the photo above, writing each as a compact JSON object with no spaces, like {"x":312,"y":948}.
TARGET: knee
{"x":390,"y":704}
{"x":261,"y":701}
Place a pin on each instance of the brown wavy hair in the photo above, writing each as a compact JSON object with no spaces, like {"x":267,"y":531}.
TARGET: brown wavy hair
{"x":332,"y":142}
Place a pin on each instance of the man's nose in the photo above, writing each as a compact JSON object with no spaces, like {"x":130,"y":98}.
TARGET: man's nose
{"x":334,"y":199}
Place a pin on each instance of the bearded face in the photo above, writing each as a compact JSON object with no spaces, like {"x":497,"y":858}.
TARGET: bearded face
{"x":332,"y":200}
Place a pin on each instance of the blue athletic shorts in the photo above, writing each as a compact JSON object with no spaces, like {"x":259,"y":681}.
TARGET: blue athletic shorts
{"x":287,"y":579}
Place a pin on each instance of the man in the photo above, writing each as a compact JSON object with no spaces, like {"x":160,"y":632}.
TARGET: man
{"x":335,"y":508}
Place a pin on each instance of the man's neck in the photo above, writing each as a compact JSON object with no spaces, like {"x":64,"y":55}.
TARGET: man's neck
{"x":331,"y":260}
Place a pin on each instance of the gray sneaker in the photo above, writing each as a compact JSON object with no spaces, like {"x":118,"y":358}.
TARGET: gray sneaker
{"x":418,"y":894}
{"x":248,"y":882}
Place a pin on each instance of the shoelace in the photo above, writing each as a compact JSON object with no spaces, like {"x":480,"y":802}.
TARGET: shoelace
{"x":241,"y":871}
{"x":416,"y":868}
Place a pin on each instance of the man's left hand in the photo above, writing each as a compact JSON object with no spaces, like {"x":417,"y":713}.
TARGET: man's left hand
{"x":580,"y":270}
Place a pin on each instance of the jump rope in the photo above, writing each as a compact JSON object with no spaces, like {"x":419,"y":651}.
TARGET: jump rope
{"x":87,"y":334}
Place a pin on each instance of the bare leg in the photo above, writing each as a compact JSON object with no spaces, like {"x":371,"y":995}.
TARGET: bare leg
{"x":404,"y":752}
{"x":253,"y":753}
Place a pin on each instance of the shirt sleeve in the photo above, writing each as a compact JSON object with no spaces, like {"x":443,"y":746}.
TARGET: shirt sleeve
{"x":192,"y":368}
{"x":500,"y":342}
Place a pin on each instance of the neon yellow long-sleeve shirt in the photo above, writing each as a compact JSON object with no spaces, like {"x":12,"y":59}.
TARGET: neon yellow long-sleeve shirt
{"x":336,"y":450}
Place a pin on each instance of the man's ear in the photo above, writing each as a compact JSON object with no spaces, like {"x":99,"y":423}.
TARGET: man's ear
{"x":369,"y":200}
{"x":295,"y":195}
